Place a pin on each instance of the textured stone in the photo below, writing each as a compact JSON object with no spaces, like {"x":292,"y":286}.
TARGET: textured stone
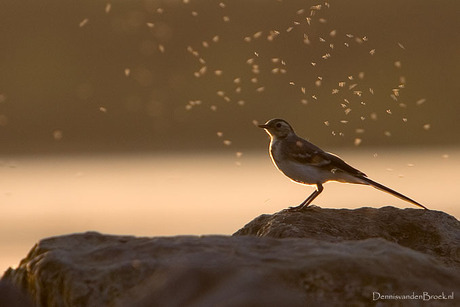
{"x":336,"y":264}
{"x":11,"y":296}
{"x":431,"y":232}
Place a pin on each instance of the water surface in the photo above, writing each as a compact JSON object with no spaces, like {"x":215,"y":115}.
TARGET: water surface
{"x":158,"y":195}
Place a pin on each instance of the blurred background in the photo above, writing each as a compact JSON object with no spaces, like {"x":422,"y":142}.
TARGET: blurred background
{"x":138,"y":117}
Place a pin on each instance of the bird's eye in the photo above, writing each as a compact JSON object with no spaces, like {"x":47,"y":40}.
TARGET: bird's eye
{"x":278,"y":125}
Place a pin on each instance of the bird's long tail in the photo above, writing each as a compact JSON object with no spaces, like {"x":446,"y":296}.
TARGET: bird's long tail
{"x":390,"y":191}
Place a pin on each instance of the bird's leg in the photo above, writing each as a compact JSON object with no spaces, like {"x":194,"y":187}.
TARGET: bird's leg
{"x":306,"y":202}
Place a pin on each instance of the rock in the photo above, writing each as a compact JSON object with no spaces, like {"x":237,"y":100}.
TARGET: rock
{"x":12,"y":296}
{"x":326,"y":262}
{"x":431,"y":232}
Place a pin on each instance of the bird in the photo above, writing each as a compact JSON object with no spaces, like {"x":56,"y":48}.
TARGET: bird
{"x":306,"y":163}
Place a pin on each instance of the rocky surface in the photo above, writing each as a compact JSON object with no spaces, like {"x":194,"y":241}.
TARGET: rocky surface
{"x":431,"y":232}
{"x":12,"y":296}
{"x":342,"y":257}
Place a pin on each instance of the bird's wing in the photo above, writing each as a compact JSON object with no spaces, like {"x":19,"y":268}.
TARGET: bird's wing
{"x":314,"y":158}
{"x":336,"y":162}
{"x":304,"y":152}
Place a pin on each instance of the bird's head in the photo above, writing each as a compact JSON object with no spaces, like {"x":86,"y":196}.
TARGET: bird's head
{"x":277,"y":128}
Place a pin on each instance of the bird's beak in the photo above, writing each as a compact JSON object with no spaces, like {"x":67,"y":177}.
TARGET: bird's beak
{"x":263,"y":126}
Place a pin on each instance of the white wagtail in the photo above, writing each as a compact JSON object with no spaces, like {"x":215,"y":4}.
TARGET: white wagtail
{"x":306,"y":163}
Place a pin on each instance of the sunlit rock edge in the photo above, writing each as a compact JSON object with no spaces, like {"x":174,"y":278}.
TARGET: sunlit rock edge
{"x":317,"y":256}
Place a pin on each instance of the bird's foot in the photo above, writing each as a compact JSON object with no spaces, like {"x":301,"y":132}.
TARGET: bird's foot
{"x":298,"y":208}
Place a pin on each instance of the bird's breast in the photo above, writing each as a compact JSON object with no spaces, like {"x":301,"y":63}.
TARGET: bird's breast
{"x":296,"y":171}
